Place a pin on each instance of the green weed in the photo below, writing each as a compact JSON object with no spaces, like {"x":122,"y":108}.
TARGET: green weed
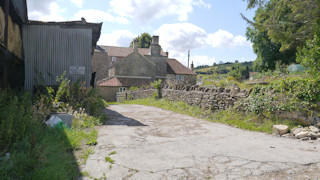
{"x":86,"y":154}
{"x":108,"y":159}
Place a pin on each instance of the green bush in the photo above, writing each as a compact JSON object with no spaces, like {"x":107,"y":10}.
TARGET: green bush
{"x":290,"y":94}
{"x":80,"y":96}
{"x":45,"y":155}
{"x":133,"y":88}
{"x":157,"y":86}
{"x":15,"y":117}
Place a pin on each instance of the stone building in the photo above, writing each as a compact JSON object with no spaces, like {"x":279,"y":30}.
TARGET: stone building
{"x":118,"y":68}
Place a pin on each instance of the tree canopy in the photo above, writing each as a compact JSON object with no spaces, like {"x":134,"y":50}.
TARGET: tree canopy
{"x":280,"y":28}
{"x":144,"y":40}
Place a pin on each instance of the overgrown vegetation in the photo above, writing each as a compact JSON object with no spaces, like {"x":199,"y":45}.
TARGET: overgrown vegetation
{"x":29,"y":149}
{"x":288,"y":94}
{"x":157,"y":86}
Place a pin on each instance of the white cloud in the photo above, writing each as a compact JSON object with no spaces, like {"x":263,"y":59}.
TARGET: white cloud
{"x":78,"y":3}
{"x":39,"y":6}
{"x":143,"y":11}
{"x":225,"y":39}
{"x":202,"y":3}
{"x":196,"y":59}
{"x":202,"y":60}
{"x":117,"y":38}
{"x":46,"y":10}
{"x":92,"y":15}
{"x":180,"y":37}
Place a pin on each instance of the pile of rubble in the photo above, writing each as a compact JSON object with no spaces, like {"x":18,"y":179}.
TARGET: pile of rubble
{"x":303,"y":133}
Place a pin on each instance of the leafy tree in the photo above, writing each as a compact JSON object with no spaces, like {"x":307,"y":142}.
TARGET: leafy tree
{"x":254,"y":3}
{"x":309,"y":55}
{"x":287,"y":22}
{"x":267,"y":51}
{"x":144,"y":40}
{"x":245,"y":72}
{"x":239,"y":72}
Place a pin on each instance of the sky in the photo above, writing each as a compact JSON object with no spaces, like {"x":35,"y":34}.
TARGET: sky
{"x":212,"y":30}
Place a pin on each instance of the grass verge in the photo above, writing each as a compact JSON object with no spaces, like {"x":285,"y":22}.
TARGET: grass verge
{"x":230,"y":116}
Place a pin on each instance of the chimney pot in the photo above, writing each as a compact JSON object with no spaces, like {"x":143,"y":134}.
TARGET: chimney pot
{"x":155,"y":40}
{"x":155,"y":48}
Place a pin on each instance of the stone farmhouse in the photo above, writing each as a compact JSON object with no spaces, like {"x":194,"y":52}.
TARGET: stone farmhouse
{"x":118,"y":68}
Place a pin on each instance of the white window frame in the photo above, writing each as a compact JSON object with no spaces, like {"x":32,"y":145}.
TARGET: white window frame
{"x":179,"y":77}
{"x":114,"y":59}
{"x":122,"y":89}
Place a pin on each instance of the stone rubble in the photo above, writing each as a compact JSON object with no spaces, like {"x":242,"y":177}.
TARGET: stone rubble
{"x":302,"y":134}
{"x":306,"y":133}
{"x":280,"y":129}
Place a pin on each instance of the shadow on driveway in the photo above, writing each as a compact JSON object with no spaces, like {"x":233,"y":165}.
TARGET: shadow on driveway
{"x":115,"y":118}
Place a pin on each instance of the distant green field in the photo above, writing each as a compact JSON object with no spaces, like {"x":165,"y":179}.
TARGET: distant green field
{"x":220,"y":68}
{"x":217,"y":75}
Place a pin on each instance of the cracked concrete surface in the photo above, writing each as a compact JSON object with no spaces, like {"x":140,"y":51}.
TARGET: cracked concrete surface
{"x":152,"y":143}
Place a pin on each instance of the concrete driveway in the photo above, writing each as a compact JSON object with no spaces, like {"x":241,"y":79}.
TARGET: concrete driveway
{"x":152,"y":143}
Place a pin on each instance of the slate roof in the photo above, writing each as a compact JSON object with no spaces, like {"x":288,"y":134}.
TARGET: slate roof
{"x":124,"y":82}
{"x":123,"y":51}
{"x":175,"y":67}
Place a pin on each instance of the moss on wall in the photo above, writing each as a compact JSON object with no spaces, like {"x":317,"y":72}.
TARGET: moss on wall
{"x":14,"y":39}
{"x":14,"y":35}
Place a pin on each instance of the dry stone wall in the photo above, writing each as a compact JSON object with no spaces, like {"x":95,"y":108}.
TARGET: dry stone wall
{"x":207,"y":98}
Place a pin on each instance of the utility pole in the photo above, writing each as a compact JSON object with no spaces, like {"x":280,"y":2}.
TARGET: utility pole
{"x":188,"y":57}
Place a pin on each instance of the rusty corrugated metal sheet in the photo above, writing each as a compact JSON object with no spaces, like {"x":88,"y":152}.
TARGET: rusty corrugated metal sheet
{"x":50,"y":50}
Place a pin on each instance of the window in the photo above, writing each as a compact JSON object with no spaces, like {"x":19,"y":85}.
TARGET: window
{"x":179,"y":77}
{"x":122,"y":89}
{"x":114,"y":59}
{"x":109,"y":72}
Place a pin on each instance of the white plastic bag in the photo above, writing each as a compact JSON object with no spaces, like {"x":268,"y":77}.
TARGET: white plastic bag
{"x":53,"y":121}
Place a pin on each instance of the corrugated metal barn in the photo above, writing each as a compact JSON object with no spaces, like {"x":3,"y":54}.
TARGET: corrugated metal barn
{"x":56,"y":47}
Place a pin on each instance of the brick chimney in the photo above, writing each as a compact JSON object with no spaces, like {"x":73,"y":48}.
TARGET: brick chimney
{"x":135,"y":46}
{"x":155,"y":47}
